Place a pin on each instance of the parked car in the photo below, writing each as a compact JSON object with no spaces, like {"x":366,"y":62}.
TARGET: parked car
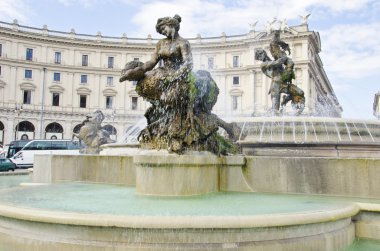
{"x":25,"y":157}
{"x":6,"y":165}
{"x":15,"y":146}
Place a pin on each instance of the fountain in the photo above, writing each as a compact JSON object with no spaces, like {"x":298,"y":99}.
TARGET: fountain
{"x":302,"y":183}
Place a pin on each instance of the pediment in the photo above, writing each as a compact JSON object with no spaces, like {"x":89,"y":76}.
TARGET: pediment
{"x":83,"y":90}
{"x":56,"y":88}
{"x":132,"y":93}
{"x":27,"y":86}
{"x":109,"y":92}
{"x":236,"y":92}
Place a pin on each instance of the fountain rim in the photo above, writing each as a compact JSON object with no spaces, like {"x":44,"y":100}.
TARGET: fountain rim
{"x":179,"y":222}
{"x":303,"y":119}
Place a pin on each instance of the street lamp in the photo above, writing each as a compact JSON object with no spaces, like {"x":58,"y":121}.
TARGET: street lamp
{"x":113,"y":115}
{"x":376,"y":105}
{"x":18,"y":110}
{"x":42,"y":103}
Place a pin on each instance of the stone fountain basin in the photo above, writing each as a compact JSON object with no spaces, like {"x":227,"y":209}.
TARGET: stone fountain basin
{"x":128,"y":209}
{"x":83,"y":216}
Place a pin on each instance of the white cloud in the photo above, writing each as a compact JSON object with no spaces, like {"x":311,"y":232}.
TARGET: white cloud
{"x":210,"y":18}
{"x":352,"y":51}
{"x":10,"y":10}
{"x":85,"y":3}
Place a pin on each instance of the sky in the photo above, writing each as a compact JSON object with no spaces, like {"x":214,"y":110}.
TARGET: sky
{"x":349,"y":30}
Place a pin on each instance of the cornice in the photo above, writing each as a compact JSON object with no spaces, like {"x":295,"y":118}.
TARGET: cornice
{"x":76,"y":42}
{"x":69,"y":68}
{"x":146,"y":44}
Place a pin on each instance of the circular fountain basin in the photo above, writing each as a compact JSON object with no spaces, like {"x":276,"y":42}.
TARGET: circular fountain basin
{"x":309,"y":137}
{"x":80,"y":216}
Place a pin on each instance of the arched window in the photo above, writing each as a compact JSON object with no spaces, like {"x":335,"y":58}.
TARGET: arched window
{"x":54,"y":131}
{"x":1,"y":133}
{"x":25,"y":126}
{"x":54,"y":128}
{"x":24,"y":130}
{"x":77,"y":128}
{"x":111,"y":130}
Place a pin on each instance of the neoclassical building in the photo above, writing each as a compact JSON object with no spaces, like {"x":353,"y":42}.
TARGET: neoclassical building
{"x":49,"y":80}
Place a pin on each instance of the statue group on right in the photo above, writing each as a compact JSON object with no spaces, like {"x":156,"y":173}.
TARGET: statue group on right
{"x":281,"y":71}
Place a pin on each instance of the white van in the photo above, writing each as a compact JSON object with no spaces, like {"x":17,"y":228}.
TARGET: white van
{"x":25,"y":157}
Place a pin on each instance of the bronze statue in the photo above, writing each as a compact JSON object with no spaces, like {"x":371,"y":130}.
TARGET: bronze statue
{"x":180,"y":117}
{"x":281,"y":71}
{"x":93,"y":134}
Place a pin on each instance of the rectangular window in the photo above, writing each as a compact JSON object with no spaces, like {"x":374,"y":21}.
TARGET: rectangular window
{"x":134,"y":103}
{"x":57,"y":57}
{"x":235,"y":80}
{"x":29,"y":54}
{"x":27,"y":97}
{"x":235,"y":61}
{"x":234,"y":103}
{"x":136,"y":59}
{"x":1,"y":50}
{"x":28,"y":74}
{"x":111,"y":62}
{"x":0,"y":70}
{"x":109,"y":81}
{"x":57,"y":76}
{"x":83,"y":79}
{"x":84,"y":60}
{"x":109,"y":100}
{"x":210,"y":63}
{"x":82,"y":101}
{"x":55,"y":99}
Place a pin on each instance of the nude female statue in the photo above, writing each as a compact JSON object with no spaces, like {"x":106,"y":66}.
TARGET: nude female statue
{"x":180,"y":116}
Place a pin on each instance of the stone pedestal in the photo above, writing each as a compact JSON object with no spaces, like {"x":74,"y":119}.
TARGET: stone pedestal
{"x":176,"y":175}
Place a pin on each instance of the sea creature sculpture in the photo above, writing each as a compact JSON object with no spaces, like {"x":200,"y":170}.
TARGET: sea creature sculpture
{"x":93,"y":134}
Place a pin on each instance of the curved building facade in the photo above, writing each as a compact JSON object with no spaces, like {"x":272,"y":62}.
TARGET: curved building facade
{"x":49,"y":80}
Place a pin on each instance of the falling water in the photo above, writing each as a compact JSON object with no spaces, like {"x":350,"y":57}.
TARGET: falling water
{"x":348,"y":131}
{"x":305,"y":128}
{"x":242,"y":129}
{"x":361,"y":139}
{"x":261,"y":132}
{"x":131,"y":134}
{"x":337,"y":131}
{"x":365,"y":124}
{"x":315,"y":133}
{"x":327,"y":133}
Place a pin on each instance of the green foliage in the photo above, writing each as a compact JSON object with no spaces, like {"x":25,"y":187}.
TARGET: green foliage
{"x":213,"y":94}
{"x":225,"y":146}
{"x":192,"y":87}
{"x":287,"y":76}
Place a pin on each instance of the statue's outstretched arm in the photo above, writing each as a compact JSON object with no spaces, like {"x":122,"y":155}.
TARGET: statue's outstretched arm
{"x":149,"y":65}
